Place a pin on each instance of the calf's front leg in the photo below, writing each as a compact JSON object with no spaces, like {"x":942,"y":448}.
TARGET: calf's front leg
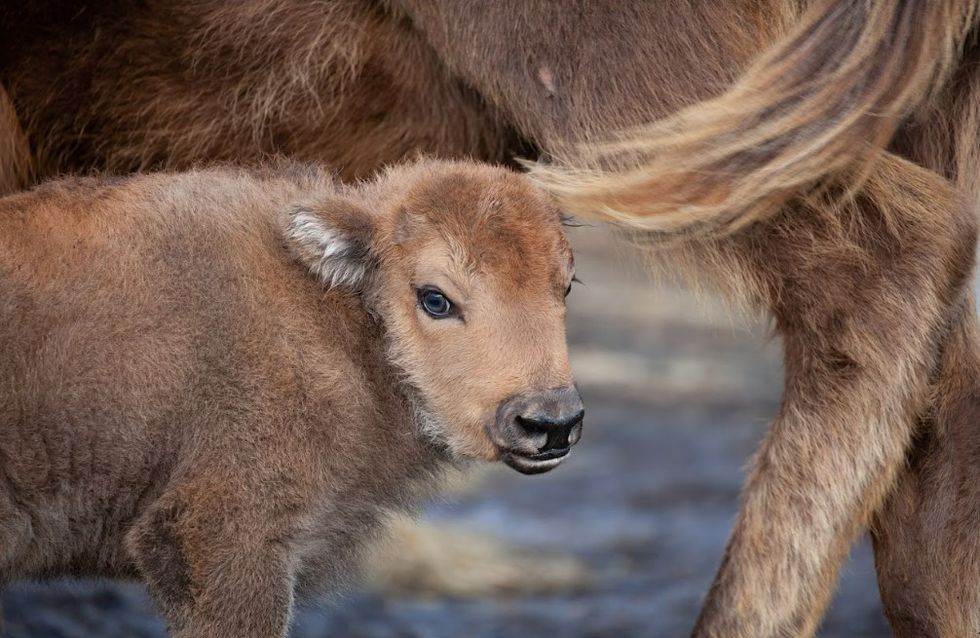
{"x":212,"y":568}
{"x":859,"y":290}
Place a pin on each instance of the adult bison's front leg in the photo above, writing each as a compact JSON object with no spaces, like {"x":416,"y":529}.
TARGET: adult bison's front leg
{"x":859,"y":290}
{"x":212,"y":569}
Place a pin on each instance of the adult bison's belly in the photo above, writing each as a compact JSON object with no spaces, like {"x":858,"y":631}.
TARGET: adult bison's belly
{"x":345,"y":84}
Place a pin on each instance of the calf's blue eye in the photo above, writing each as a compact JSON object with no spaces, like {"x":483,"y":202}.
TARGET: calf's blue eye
{"x":434,"y":303}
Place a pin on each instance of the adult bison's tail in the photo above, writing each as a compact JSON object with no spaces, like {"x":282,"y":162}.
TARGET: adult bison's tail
{"x":815,"y":108}
{"x":15,"y":159}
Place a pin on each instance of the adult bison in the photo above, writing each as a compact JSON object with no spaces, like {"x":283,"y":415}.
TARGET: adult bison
{"x":818,"y":160}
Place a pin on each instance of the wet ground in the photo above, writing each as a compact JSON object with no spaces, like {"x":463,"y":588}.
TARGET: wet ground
{"x":678,"y":395}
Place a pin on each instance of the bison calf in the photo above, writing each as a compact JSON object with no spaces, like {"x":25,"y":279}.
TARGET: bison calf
{"x":221,"y":381}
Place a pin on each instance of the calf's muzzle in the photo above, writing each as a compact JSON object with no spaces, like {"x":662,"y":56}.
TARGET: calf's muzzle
{"x":535,"y":430}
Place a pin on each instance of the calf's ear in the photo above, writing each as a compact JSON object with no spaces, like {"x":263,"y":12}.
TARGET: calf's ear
{"x":332,"y":237}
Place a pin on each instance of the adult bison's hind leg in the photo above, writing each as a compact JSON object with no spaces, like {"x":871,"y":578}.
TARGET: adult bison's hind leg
{"x":927,"y":535}
{"x":859,"y":289}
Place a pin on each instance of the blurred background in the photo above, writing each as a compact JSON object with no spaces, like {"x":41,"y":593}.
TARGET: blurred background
{"x":621,"y":540}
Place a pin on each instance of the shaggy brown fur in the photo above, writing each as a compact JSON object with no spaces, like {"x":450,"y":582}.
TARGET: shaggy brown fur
{"x":339,"y":82}
{"x":837,"y":178}
{"x":824,"y":100}
{"x":223,"y":381}
{"x":15,"y":156}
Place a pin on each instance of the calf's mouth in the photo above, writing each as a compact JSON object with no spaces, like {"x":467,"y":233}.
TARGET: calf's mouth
{"x":534,"y":463}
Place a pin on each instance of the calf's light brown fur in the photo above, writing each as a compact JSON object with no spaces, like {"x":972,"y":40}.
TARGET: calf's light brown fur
{"x":221,"y":381}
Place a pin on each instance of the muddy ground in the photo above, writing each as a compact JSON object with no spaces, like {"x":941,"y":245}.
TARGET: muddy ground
{"x":622,"y":540}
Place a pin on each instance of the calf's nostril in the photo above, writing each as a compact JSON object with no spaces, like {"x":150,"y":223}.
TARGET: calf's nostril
{"x":533,"y":425}
{"x":548,"y":434}
{"x":539,"y":440}
{"x":557,"y":440}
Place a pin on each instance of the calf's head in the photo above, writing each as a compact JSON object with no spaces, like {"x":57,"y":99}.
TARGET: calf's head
{"x":468,"y":269}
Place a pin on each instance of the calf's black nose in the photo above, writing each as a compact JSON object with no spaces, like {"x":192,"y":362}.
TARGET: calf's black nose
{"x":559,"y":434}
{"x":549,"y":421}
